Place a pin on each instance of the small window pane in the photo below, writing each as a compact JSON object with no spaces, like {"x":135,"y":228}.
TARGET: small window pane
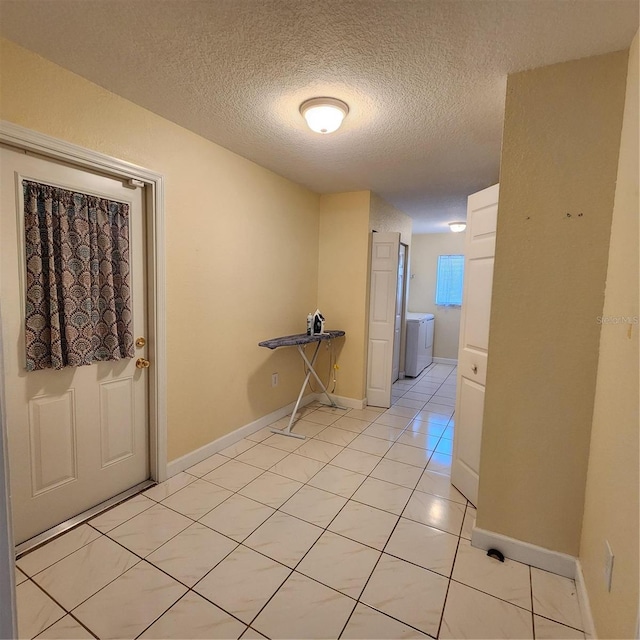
{"x":449,"y":280}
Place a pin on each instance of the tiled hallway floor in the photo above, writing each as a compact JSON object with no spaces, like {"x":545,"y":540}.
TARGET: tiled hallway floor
{"x":354,"y":532}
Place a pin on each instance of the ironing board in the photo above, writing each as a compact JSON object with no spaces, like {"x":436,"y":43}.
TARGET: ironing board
{"x":299,"y":341}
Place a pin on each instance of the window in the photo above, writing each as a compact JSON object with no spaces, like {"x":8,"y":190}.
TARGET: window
{"x":449,"y":281}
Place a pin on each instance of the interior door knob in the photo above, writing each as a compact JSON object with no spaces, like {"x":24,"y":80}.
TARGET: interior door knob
{"x":142,"y":363}
{"x":474,"y":368}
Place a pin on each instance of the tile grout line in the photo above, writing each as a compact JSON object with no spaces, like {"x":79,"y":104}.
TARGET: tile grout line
{"x":140,"y":559}
{"x":491,"y":595}
{"x":371,"y":574}
{"x":105,"y":534}
{"x":457,"y":543}
{"x":70,"y":611}
{"x":190,"y":590}
{"x":358,"y":601}
{"x":315,"y":542}
{"x":380,"y":557}
{"x":100,"y":533}
{"x":52,"y":540}
{"x":562,"y":624}
{"x":66,"y":611}
{"x":533,"y":620}
{"x":329,"y":462}
{"x":451,"y":579}
{"x":144,"y":559}
{"x":167,"y":609}
{"x":293,"y":570}
{"x":299,"y":561}
{"x":446,"y":595}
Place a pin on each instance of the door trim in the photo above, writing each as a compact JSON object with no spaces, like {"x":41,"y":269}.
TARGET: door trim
{"x":8,"y":615}
{"x":403,"y":321}
{"x":49,"y":147}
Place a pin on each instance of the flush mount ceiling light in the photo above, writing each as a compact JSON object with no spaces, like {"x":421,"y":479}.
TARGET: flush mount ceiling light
{"x":324,"y":115}
{"x":457,"y":227}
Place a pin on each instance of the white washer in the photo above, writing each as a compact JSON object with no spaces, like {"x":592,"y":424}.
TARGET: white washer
{"x":419,"y":353}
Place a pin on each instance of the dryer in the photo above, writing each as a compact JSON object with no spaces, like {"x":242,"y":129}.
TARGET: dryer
{"x":419,"y":350}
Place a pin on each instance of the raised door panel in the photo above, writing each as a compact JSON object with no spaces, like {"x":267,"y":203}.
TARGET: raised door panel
{"x":52,"y":430}
{"x":466,"y":462}
{"x":378,"y":352}
{"x":117,"y":420}
{"x":478,"y":298}
{"x":382,"y":288}
{"x":482,"y":227}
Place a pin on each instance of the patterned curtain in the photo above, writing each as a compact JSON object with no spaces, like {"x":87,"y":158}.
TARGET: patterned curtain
{"x":78,"y":294}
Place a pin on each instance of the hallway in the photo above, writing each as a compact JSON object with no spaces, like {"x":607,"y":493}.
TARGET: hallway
{"x":354,"y":532}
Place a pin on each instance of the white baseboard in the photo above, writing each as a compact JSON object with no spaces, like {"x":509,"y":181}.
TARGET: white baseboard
{"x":189,"y":459}
{"x":446,"y":361}
{"x":585,"y":606}
{"x":342,"y":401}
{"x":552,"y":561}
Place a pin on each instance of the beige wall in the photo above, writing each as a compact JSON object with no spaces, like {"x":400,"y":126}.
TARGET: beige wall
{"x":611,"y":503}
{"x":242,"y":247}
{"x":385,"y":217}
{"x":425,"y":249}
{"x":559,"y":155}
{"x":342,"y":283}
{"x":346,"y":220}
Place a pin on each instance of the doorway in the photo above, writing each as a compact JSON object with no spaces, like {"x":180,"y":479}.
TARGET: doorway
{"x":126,"y":405}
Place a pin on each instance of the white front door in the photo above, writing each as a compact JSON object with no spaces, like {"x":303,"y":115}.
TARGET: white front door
{"x":80,"y":435}
{"x":385,"y":251}
{"x":480,"y":242}
{"x":397,"y":334}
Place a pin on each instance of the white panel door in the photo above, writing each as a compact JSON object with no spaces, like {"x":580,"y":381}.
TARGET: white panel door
{"x":385,"y":251}
{"x":80,"y":435}
{"x":397,"y":334}
{"x":480,"y":241}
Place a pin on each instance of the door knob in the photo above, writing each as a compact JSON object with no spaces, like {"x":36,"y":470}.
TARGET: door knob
{"x":142,"y":363}
{"x":474,"y":368}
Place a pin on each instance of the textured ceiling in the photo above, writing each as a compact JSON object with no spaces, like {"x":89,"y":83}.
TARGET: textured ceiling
{"x":424,"y":79}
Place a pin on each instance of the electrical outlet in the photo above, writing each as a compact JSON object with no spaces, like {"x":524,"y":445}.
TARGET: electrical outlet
{"x":274,"y":379}
{"x":608,"y":565}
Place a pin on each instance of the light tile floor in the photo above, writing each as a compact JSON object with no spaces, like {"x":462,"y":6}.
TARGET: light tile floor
{"x":355,"y":532}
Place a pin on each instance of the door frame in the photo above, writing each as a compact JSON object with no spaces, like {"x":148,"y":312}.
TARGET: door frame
{"x":8,"y":615}
{"x":153,"y":183}
{"x":405,"y":304}
{"x":27,"y":140}
{"x":52,"y":148}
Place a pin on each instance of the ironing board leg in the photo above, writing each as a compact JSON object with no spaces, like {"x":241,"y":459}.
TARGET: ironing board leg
{"x":287,"y":431}
{"x":315,"y":375}
{"x":310,"y":372}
